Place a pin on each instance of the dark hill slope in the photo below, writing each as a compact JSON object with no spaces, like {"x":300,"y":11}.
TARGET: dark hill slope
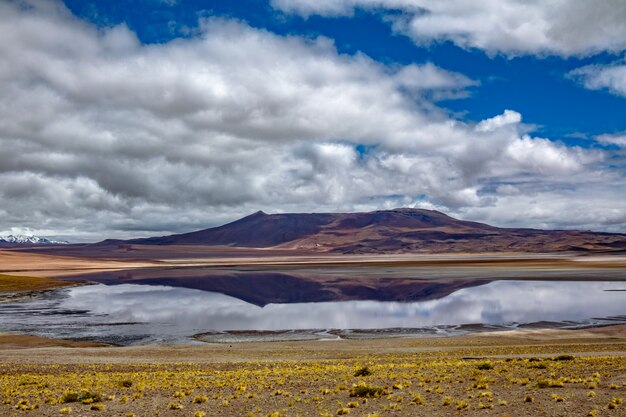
{"x":257,"y":230}
{"x":386,"y":231}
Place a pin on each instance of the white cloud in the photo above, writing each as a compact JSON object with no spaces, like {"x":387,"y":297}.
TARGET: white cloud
{"x":102,"y":136}
{"x":511,"y":27}
{"x":433,"y":81}
{"x":591,"y":203}
{"x":618,"y":139}
{"x":600,"y":77}
{"x":543,"y":156}
{"x":509,"y":117}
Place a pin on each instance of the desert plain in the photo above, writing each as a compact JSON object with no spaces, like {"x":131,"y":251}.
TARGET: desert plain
{"x":531,"y":372}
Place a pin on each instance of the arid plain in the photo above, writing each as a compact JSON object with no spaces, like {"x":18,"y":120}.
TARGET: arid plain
{"x":528,"y":372}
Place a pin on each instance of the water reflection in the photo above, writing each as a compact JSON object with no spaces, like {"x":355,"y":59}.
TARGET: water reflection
{"x":129,"y":313}
{"x":263,"y":287}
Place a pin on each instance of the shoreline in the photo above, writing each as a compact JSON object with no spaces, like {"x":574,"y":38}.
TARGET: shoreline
{"x":27,"y":295}
{"x":18,"y":284}
{"x":613,"y":333}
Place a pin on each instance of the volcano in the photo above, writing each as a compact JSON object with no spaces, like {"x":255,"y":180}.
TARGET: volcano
{"x":403,"y":230}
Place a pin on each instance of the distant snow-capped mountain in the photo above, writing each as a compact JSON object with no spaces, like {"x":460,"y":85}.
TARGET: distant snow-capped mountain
{"x":29,"y":240}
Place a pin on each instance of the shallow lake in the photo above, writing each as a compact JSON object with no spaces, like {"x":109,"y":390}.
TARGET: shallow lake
{"x":137,"y":314}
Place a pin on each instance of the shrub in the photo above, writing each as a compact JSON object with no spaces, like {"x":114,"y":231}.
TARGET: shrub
{"x":69,"y":397}
{"x":86,"y":397}
{"x":485,"y":366}
{"x":615,"y":401}
{"x":550,"y":383}
{"x":418,"y":400}
{"x":363,"y":371}
{"x":564,"y":358}
{"x":174,"y":406}
{"x":126,"y":383}
{"x":460,"y":404}
{"x":557,"y":398}
{"x":367,"y":391}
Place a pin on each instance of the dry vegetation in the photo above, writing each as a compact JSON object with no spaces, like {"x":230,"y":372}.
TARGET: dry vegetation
{"x":13,"y":284}
{"x":522,"y":380}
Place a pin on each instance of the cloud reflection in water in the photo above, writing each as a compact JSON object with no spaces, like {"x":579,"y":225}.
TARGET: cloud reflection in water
{"x":495,"y":303}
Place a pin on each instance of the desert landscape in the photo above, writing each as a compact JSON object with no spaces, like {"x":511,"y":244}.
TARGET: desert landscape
{"x":297,"y":208}
{"x":540,"y":367}
{"x":529,"y":373}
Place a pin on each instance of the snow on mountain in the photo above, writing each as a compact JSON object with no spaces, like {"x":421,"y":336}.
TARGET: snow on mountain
{"x":29,"y":240}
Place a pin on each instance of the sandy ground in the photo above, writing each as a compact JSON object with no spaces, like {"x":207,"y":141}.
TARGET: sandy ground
{"x":59,"y":262}
{"x":500,"y":374}
{"x":15,"y":347}
{"x":20,"y":262}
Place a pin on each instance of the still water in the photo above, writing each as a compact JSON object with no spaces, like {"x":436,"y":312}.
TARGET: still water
{"x":138,"y":314}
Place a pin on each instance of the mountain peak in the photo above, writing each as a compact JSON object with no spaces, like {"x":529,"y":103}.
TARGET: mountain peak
{"x":29,"y":240}
{"x":399,"y":230}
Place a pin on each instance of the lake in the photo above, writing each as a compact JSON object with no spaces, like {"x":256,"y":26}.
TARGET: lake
{"x":129,"y":314}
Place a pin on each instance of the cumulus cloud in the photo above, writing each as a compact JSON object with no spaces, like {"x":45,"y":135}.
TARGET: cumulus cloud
{"x":523,"y":203}
{"x":602,"y":77}
{"x":509,"y":117}
{"x":511,"y":27}
{"x":102,"y":136}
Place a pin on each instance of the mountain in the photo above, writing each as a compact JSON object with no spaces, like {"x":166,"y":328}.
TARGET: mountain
{"x":28,"y":240}
{"x":402,"y":230}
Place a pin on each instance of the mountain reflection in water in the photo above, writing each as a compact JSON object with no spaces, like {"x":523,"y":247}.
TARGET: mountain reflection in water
{"x":130,"y":313}
{"x":262,"y":287}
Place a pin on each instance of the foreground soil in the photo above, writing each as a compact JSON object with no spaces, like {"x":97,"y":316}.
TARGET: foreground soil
{"x":527,"y":373}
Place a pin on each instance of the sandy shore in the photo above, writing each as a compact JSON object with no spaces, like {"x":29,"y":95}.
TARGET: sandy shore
{"x":15,"y":347}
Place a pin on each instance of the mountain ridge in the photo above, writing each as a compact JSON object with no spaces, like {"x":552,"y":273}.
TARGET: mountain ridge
{"x":28,"y":240}
{"x":401,"y":230}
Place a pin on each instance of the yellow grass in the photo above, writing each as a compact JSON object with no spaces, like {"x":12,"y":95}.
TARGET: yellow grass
{"x":428,"y":383}
{"x":12,"y":283}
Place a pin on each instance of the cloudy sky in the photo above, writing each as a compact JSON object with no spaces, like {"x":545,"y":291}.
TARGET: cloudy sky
{"x":134,"y":118}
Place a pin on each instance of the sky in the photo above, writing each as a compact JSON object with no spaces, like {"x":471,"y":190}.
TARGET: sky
{"x":135,"y":118}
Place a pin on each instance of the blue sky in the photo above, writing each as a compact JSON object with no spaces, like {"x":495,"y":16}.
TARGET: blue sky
{"x":536,"y":87}
{"x":141,"y":117}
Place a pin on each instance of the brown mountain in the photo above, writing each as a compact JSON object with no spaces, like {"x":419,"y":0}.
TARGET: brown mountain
{"x":386,"y":231}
